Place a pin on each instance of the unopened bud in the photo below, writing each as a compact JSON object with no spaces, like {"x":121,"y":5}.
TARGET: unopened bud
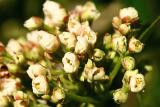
{"x":20,"y":95}
{"x":128,"y":15}
{"x":81,"y":45}
{"x":124,"y":28}
{"x":58,"y":95}
{"x":36,"y":70}
{"x":119,"y":44}
{"x":135,"y":45}
{"x":70,"y":62}
{"x":137,"y":83}
{"x":33,"y":23}
{"x":128,"y":63}
{"x":40,"y":85}
{"x":98,"y":55}
{"x":120,"y":96}
{"x":107,"y":41}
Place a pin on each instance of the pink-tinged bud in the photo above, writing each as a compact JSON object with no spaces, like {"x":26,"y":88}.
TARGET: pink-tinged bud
{"x":116,"y":21}
{"x":128,"y":15}
{"x":128,"y":63}
{"x":137,"y":83}
{"x":135,"y":45}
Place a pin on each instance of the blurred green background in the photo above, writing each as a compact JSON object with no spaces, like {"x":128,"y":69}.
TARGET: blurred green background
{"x":14,"y":12}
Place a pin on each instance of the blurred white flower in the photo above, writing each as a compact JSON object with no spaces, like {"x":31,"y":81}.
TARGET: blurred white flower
{"x":81,"y":45}
{"x":137,"y":83}
{"x":33,"y":37}
{"x":40,"y":85}
{"x":70,"y":62}
{"x":33,"y":23}
{"x":68,"y":40}
{"x":15,"y":50}
{"x":9,"y":86}
{"x":89,"y":12}
{"x":54,"y":14}
{"x":3,"y":100}
{"x":36,"y":70}
{"x":120,"y":96}
{"x":20,"y":95}
{"x":135,"y":45}
{"x":128,"y":15}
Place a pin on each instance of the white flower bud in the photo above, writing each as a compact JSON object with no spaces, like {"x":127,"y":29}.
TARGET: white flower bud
{"x":124,"y":28}
{"x":33,"y":23}
{"x":116,"y":21}
{"x":33,"y":37}
{"x":81,"y":45}
{"x":36,"y":70}
{"x":135,"y":45}
{"x":68,"y":40}
{"x":128,"y":63}
{"x":48,"y":42}
{"x":89,"y":12}
{"x":20,"y":103}
{"x":128,"y":15}
{"x":87,"y":32}
{"x":98,"y":55}
{"x":127,"y":76}
{"x":119,"y":44}
{"x":40,"y":85}
{"x":137,"y":83}
{"x":54,"y":14}
{"x":74,"y":26}
{"x":111,"y":55}
{"x":57,"y":95}
{"x":120,"y":96}
{"x":9,"y":86}
{"x":107,"y":41}
{"x":3,"y":100}
{"x":70,"y":62}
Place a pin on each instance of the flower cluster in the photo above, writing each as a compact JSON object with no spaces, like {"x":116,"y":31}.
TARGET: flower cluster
{"x":61,"y":55}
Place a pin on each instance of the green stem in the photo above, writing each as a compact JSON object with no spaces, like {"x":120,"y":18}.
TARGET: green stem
{"x":114,"y":72}
{"x":148,"y":30}
{"x":84,"y":99}
{"x":140,"y":102}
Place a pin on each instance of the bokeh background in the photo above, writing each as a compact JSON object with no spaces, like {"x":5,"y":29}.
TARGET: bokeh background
{"x":14,"y":12}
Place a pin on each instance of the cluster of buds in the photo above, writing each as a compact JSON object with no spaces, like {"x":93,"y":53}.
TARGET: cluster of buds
{"x":60,"y":54}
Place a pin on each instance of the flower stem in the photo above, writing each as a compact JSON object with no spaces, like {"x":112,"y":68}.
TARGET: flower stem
{"x":148,"y":30}
{"x":114,"y":72}
{"x":84,"y":99}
